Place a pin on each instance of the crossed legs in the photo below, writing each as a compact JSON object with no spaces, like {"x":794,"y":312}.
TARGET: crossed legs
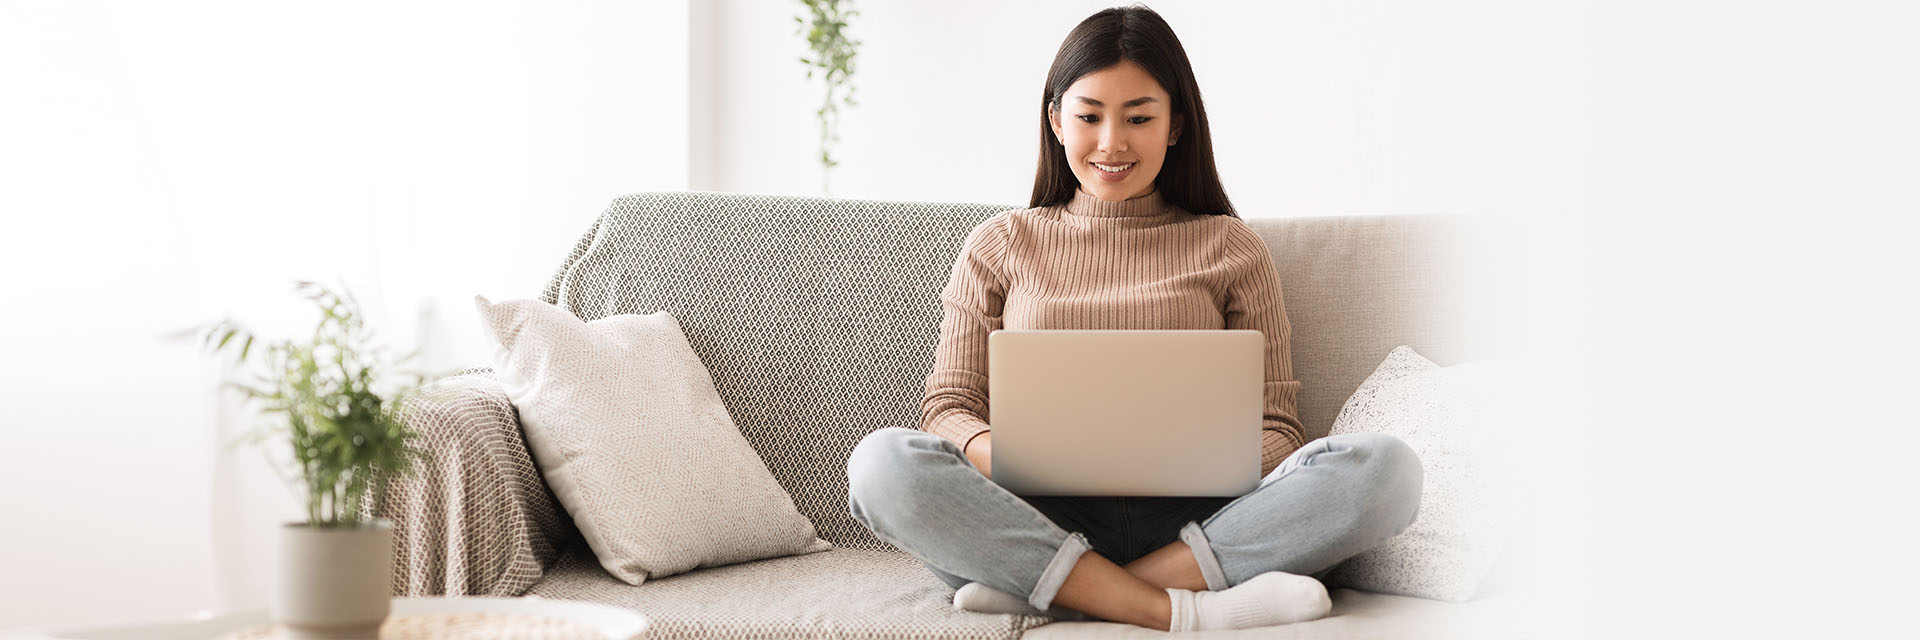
{"x":1388,"y":478}
{"x":1340,"y":495}
{"x":1169,"y":567}
{"x":1136,"y":593}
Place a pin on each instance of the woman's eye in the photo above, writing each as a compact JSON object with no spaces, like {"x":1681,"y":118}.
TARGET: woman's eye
{"x":1140,"y":119}
{"x":1088,"y":117}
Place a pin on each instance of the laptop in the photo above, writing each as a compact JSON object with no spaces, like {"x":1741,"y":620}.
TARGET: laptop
{"x":1126,"y":412}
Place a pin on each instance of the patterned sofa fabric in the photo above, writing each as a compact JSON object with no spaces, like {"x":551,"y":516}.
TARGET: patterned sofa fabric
{"x":817,"y":317}
{"x":476,"y":518}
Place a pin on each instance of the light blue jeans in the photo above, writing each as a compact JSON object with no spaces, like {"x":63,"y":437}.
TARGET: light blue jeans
{"x":1332,"y":499}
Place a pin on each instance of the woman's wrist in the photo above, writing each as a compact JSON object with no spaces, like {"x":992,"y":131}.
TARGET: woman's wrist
{"x":982,"y":459}
{"x":968,"y":447}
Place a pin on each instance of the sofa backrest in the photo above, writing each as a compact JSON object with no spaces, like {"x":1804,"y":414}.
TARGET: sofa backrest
{"x":818,"y":317}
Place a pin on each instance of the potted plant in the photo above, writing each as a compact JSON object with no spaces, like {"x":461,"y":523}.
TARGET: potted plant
{"x":331,"y":403}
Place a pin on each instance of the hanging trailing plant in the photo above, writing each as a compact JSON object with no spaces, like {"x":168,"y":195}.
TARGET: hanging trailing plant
{"x":832,"y":57}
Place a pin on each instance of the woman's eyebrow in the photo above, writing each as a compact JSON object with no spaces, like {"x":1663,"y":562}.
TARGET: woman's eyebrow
{"x":1130,"y":103}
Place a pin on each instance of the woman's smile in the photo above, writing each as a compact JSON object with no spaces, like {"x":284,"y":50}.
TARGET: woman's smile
{"x":1114,"y":172}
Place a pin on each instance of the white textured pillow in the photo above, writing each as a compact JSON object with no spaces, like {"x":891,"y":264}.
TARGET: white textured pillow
{"x":624,"y":422}
{"x":1469,"y":492}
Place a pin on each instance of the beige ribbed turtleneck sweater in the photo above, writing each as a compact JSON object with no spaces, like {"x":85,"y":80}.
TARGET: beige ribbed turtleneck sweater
{"x":1098,"y":264}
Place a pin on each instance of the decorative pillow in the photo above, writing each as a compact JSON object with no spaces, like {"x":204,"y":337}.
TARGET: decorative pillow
{"x":1468,"y":497}
{"x":623,"y":420}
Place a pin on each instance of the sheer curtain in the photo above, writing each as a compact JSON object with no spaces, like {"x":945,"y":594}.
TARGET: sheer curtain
{"x":172,"y":163}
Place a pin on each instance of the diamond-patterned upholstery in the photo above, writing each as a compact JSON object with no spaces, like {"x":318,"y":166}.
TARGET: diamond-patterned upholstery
{"x":817,"y":317}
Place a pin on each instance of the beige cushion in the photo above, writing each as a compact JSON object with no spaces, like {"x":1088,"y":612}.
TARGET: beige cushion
{"x":623,"y":420}
{"x":1467,"y":500}
{"x":843,"y":593}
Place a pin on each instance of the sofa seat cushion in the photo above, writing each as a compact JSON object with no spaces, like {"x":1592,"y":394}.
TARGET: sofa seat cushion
{"x":855,"y":593}
{"x":839,"y":593}
{"x":1357,"y":615}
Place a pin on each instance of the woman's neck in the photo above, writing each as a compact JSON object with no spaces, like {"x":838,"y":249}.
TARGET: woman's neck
{"x":1145,"y":205}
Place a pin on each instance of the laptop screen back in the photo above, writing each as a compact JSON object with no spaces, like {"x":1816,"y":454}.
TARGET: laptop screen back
{"x":1126,"y":412}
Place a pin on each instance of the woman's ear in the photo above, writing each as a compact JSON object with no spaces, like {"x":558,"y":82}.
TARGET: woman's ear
{"x":1173,"y":136}
{"x":1053,"y":118}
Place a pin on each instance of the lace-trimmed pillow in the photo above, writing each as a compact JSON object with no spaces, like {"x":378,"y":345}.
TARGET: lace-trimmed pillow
{"x":625,"y":424}
{"x":1468,"y":500}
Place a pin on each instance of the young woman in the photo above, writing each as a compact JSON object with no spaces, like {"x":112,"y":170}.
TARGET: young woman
{"x":1128,"y":229}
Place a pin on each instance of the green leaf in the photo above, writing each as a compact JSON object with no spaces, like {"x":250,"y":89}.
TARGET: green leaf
{"x":832,"y":54}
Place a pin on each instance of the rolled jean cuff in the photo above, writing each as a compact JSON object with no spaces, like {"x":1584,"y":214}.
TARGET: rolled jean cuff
{"x":1203,"y":556}
{"x":1057,"y":570}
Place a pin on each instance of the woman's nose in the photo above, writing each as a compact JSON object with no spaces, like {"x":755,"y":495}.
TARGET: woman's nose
{"x":1110,"y":138}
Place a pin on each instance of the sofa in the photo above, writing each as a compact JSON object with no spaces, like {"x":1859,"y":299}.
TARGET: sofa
{"x":818,"y":320}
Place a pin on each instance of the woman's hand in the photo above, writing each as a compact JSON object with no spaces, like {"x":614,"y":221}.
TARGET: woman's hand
{"x":979,"y":451}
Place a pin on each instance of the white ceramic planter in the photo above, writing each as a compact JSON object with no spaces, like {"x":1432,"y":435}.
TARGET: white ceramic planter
{"x":334,"y":584}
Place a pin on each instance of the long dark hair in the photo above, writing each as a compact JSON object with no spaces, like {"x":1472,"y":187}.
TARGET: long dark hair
{"x":1188,"y":179}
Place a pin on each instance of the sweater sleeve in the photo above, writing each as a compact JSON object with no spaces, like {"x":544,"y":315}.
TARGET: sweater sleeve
{"x":1254,"y":302}
{"x":955,"y":403}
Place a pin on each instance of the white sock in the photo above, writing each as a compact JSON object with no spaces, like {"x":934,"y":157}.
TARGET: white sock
{"x":980,"y":598}
{"x":1271,"y":598}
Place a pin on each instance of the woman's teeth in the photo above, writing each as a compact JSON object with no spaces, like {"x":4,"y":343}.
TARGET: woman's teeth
{"x":1113,"y":168}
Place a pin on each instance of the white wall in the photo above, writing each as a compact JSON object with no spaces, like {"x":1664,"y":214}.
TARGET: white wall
{"x":1317,"y":108}
{"x":170,"y":163}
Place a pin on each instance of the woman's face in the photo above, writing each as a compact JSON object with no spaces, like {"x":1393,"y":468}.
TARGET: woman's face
{"x":1120,"y":118}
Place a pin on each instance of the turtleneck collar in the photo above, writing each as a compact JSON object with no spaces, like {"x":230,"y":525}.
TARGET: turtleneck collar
{"x":1144,"y":206}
